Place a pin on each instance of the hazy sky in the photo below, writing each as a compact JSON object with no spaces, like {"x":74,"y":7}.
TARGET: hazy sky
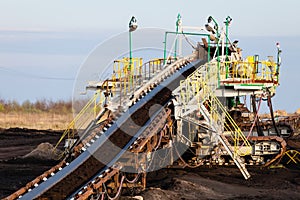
{"x":43,"y":43}
{"x":256,"y":17}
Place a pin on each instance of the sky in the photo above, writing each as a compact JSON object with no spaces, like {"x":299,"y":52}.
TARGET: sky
{"x":43,"y":44}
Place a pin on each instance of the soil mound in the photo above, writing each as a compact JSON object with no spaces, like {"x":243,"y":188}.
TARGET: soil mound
{"x":294,"y":142}
{"x":44,"y":151}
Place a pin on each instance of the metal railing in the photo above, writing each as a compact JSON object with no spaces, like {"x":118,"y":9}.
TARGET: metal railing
{"x":202,"y":85}
{"x":82,"y":119}
{"x":126,"y":75}
{"x":250,"y":71}
{"x":127,"y":78}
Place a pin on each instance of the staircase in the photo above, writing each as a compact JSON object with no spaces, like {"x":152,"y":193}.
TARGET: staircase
{"x":236,"y":158}
{"x":115,"y":93}
{"x":198,"y":89}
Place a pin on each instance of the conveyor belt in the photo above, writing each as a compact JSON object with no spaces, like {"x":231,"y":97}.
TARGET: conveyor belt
{"x":112,"y":144}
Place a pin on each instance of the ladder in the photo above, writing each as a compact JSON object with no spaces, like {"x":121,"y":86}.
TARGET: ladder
{"x":198,"y":89}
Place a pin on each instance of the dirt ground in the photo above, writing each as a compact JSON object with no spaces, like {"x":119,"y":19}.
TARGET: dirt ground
{"x":224,"y":183}
{"x":16,"y":171}
{"x":200,"y":183}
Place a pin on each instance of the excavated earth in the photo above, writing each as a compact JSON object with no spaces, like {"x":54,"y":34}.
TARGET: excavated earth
{"x":25,"y":154}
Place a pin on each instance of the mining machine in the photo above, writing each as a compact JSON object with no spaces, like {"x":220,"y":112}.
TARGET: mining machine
{"x":172,"y":112}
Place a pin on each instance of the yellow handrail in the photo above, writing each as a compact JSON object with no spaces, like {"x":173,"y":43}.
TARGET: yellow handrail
{"x":124,"y":78}
{"x":206,"y":79}
{"x":91,"y":105}
{"x":249,"y":70}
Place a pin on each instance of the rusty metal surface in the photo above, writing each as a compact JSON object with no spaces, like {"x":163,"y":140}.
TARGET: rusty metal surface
{"x":280,"y":140}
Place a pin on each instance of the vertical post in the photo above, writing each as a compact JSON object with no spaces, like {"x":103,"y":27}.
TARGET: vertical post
{"x":256,"y":60}
{"x":130,"y":52}
{"x":208,"y":51}
{"x":178,"y":22}
{"x":218,"y":54}
{"x":95,"y":105}
{"x":226,"y":38}
{"x":216,"y":27}
{"x":227,"y":22}
{"x":165,"y":47}
{"x":130,"y":60}
{"x":278,"y":61}
{"x":132,"y":27}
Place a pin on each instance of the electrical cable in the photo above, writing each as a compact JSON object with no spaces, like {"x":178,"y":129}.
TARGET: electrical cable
{"x":28,"y":75}
{"x":255,"y":119}
{"x":188,"y":41}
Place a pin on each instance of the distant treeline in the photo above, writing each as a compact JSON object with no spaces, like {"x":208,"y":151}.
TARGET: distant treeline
{"x":38,"y":106}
